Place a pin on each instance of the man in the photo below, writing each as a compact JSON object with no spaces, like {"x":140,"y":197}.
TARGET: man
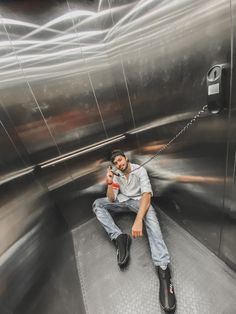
{"x":129,"y":189}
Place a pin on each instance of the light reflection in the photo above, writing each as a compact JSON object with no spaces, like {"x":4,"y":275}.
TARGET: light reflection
{"x":68,"y":40}
{"x":60,"y":19}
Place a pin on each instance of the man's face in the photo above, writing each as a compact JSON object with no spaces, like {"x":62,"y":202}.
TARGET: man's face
{"x":121,"y":162}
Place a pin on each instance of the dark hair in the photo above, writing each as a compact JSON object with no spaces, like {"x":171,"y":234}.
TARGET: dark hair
{"x":115,"y":153}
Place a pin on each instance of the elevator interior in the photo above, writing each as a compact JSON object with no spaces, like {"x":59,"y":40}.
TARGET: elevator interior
{"x":79,"y":78}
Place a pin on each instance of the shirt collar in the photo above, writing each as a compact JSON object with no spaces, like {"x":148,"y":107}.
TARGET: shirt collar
{"x":122,"y":174}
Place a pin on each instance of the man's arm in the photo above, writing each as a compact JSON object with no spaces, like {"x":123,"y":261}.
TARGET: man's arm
{"x":110,"y":193}
{"x":145,"y":201}
{"x":109,"y":181}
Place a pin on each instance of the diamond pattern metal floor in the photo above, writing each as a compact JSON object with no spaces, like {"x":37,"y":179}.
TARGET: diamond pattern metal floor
{"x":203,"y":283}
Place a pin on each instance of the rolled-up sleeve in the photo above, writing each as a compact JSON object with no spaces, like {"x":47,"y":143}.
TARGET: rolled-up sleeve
{"x":144,"y":181}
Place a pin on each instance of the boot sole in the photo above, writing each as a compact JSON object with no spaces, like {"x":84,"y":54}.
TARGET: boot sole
{"x":168,"y":310}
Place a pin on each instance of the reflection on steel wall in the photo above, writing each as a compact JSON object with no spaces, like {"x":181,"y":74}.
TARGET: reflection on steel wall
{"x":26,"y":225}
{"x":56,"y":82}
{"x":76,"y":74}
{"x":77,"y":79}
{"x":227,"y":246}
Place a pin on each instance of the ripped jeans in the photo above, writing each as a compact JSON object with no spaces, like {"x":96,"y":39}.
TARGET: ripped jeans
{"x":102,"y":208}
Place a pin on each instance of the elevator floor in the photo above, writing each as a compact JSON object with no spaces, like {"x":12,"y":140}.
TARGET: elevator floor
{"x":203,"y":283}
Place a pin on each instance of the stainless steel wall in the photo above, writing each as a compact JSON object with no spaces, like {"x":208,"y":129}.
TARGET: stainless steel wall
{"x":229,"y":231}
{"x":80,"y":78}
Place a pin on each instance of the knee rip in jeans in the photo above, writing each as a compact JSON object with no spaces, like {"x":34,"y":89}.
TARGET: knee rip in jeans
{"x":95,"y":204}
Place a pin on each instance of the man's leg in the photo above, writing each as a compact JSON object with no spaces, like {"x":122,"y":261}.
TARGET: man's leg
{"x":159,"y":251}
{"x":161,"y":259}
{"x":102,"y":208}
{"x":160,"y":256}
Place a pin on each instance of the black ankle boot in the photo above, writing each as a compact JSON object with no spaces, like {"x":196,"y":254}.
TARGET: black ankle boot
{"x":123,"y":242}
{"x":166,"y":292}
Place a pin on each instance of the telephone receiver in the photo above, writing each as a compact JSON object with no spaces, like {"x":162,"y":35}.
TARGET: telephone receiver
{"x":113,"y":171}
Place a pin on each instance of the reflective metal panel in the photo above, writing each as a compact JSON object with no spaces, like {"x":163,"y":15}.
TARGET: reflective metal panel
{"x":10,"y":158}
{"x":52,"y":66}
{"x":37,"y":264}
{"x":228,"y":236}
{"x":166,"y":49}
{"x":23,"y":217}
{"x":60,"y":69}
{"x":19,"y":101}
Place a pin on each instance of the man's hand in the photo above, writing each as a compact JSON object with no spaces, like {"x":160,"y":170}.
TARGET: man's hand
{"x":109,"y":176}
{"x":137,"y":229}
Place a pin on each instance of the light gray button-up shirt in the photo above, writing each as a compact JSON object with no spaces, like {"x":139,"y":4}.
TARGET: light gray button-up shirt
{"x":137,"y":183}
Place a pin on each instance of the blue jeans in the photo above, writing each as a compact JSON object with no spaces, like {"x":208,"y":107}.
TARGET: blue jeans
{"x":102,"y":208}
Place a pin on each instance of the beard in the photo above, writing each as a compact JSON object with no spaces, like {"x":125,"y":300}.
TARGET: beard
{"x":125,"y":167}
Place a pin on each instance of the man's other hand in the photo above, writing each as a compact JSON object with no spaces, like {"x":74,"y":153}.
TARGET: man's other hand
{"x":137,"y":229}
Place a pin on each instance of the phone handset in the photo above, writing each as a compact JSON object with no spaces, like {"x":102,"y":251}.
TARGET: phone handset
{"x":113,"y":171}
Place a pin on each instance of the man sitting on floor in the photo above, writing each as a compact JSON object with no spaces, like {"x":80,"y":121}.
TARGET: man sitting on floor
{"x":129,"y":189}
